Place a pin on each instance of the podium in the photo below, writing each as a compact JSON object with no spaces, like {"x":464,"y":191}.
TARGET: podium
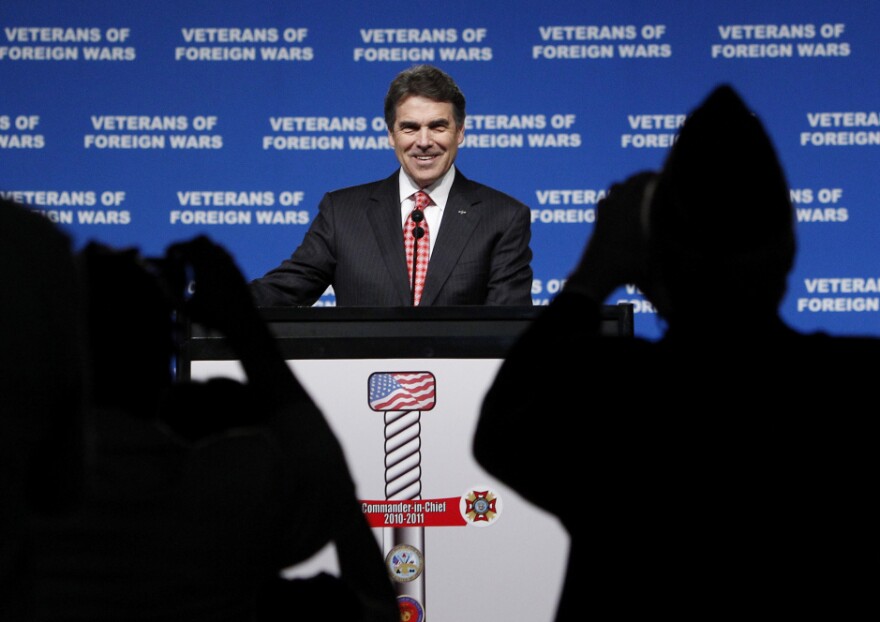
{"x":454,"y":538}
{"x":400,"y":332}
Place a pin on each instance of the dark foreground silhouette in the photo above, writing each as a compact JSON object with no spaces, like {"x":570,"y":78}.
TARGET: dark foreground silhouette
{"x":727,"y":467}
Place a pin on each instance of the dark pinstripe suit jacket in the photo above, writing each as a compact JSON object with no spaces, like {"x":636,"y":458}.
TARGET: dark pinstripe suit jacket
{"x":481,"y":255}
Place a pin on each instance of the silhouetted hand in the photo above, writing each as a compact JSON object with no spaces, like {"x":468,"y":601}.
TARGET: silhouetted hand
{"x":220,"y":297}
{"x":616,"y":253}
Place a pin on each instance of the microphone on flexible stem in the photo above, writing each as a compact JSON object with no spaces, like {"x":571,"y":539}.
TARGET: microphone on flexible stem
{"x":417,"y":217}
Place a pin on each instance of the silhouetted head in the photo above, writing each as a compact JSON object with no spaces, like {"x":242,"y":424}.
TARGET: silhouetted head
{"x":720,"y":221}
{"x":130,"y":330}
{"x":41,"y":330}
{"x":42,"y":359}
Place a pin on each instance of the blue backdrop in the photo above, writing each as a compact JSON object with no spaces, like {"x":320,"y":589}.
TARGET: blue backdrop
{"x":143,"y":123}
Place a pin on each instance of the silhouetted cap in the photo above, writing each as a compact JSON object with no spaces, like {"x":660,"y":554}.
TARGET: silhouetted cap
{"x":722,"y":195}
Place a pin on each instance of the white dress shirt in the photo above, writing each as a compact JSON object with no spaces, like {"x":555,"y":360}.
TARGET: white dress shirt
{"x":439,"y":193}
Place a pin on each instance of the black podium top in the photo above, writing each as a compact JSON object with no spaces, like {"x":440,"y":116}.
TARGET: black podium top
{"x":397,"y":332}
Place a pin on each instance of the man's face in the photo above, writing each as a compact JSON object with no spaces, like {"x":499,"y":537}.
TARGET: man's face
{"x":425,"y":138}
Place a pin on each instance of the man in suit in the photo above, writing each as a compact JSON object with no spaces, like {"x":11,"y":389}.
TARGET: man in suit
{"x":477,"y":237}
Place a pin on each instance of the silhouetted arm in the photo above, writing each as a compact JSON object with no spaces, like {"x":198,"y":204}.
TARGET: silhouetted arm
{"x":526,"y":434}
{"x":314,"y":461}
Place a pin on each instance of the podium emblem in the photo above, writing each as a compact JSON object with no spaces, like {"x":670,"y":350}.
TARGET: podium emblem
{"x":404,"y":563}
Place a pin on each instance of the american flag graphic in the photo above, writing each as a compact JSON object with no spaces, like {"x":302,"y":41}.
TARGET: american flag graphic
{"x":402,"y":391}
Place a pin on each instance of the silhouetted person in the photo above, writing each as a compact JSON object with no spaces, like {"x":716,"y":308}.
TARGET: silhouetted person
{"x":202,"y":492}
{"x":40,"y":390}
{"x":727,"y":467}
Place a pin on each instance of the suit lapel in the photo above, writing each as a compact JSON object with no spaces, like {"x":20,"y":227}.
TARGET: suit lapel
{"x":384,"y":217}
{"x":460,"y":218}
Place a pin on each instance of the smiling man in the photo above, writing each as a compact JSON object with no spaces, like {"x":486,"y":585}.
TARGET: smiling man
{"x":426,"y":235}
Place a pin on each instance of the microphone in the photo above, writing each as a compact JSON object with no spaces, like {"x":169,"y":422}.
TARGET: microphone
{"x":417,"y":217}
{"x":418,"y":232}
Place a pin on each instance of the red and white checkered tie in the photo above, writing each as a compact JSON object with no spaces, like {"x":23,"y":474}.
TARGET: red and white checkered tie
{"x":417,"y":244}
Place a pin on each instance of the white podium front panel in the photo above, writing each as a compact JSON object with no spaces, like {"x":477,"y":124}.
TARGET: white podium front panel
{"x":484,"y":550}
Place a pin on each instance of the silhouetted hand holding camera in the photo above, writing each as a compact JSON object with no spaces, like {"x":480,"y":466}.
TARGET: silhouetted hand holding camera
{"x":210,"y":488}
{"x":219,"y":299}
{"x":208,"y":286}
{"x":617,"y":251}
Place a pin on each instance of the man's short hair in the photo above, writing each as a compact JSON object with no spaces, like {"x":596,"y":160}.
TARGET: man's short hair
{"x":426,"y":81}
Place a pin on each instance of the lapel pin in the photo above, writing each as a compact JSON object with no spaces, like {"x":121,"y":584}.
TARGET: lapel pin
{"x":461,"y":211}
